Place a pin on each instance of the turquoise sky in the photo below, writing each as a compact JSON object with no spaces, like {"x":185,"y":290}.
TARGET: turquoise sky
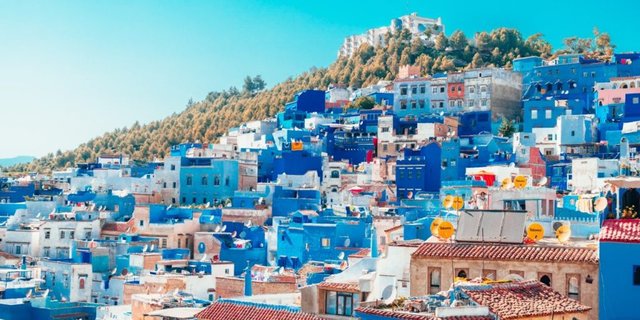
{"x":71,"y":70}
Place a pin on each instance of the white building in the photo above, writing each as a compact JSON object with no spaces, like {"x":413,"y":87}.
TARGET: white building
{"x":417,"y":26}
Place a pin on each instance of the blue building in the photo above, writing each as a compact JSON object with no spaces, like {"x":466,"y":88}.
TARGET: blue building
{"x":302,"y":239}
{"x":241,"y":244}
{"x":474,"y":122}
{"x":207,"y":180}
{"x":289,"y":200}
{"x":619,"y":280}
{"x":354,"y":146}
{"x":419,"y":171}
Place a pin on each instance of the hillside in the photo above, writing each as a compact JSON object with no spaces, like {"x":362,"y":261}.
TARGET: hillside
{"x":208,"y":119}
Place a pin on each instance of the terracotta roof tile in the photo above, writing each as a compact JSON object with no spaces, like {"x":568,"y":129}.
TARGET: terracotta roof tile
{"x":340,"y":286}
{"x":623,"y":230}
{"x":236,"y":310}
{"x":390,"y":314}
{"x":523,"y":299}
{"x":507,"y":252}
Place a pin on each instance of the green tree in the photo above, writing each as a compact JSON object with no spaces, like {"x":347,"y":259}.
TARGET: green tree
{"x":507,"y":128}
{"x":441,"y":42}
{"x":364,"y":103}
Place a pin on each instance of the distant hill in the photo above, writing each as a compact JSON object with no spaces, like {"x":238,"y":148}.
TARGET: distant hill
{"x":8,"y":162}
{"x":208,"y":119}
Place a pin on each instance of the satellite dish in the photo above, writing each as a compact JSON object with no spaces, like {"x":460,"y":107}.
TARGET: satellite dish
{"x":520,"y":182}
{"x":563,"y":233}
{"x":341,"y":256}
{"x":234,"y":234}
{"x":217,"y":229}
{"x":347,"y":242}
{"x":512,"y":165}
{"x":600,"y":204}
{"x":556,"y":225}
{"x":543,"y":182}
{"x":144,"y":249}
{"x":224,"y":228}
{"x":505,"y":184}
{"x":535,"y":231}
{"x":445,"y":230}
{"x":447,"y":202}
{"x":435,"y":224}
{"x":458,"y":203}
{"x":153,"y":247}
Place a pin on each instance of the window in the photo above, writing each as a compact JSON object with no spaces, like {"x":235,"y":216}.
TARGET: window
{"x":72,"y":234}
{"x":46,"y":251}
{"x":18,"y":249}
{"x":403,"y":104}
{"x":414,"y":89}
{"x":189,"y":180}
{"x":452,"y":103}
{"x":545,"y":278}
{"x":636,"y":100}
{"x":226,"y":271}
{"x":179,"y":243}
{"x":421,"y":102}
{"x":335,"y":174}
{"x":173,"y":167}
{"x":385,"y":129}
{"x":414,"y":104}
{"x":81,"y":284}
{"x":434,"y":280}
{"x":573,"y":133}
{"x":489,"y":274}
{"x":87,"y":235}
{"x":331,"y":301}
{"x":325,"y":242}
{"x":423,"y":89}
{"x":441,"y":89}
{"x":216,"y":181}
{"x":550,"y":137}
{"x":573,"y":286}
{"x":483,"y":102}
{"x":164,"y":242}
{"x":534,"y":114}
{"x":193,"y":200}
{"x":403,"y":90}
{"x":470,"y":103}
{"x":385,"y":147}
{"x":462,"y":273}
{"x":472,"y":89}
{"x":434,"y":90}
{"x":483,"y":89}
{"x":547,"y":114}
{"x":62,"y":234}
{"x":227,"y":181}
{"x":205,"y":181}
{"x":173,"y":200}
{"x":47,"y":234}
{"x":175,"y":185}
{"x":441,"y":104}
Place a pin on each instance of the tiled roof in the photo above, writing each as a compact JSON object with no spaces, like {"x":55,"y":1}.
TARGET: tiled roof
{"x":406,"y":243}
{"x":7,"y":255}
{"x":507,"y":252}
{"x":524,"y":299}
{"x":340,"y":286}
{"x":622,"y":230}
{"x":364,"y":252}
{"x":235,"y":310}
{"x":390,"y":314}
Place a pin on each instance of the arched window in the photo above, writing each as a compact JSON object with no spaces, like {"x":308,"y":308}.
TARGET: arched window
{"x":227,"y":181}
{"x":632,"y":85}
{"x":462,"y":274}
{"x":335,"y":174}
{"x":546,"y":280}
{"x":559,"y":86}
{"x":624,"y":86}
{"x":549,"y":87}
{"x":538,"y":87}
{"x":216,"y":181}
{"x":205,"y":181}
{"x":573,"y":287}
{"x":189,"y":180}
{"x":434,"y":281}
